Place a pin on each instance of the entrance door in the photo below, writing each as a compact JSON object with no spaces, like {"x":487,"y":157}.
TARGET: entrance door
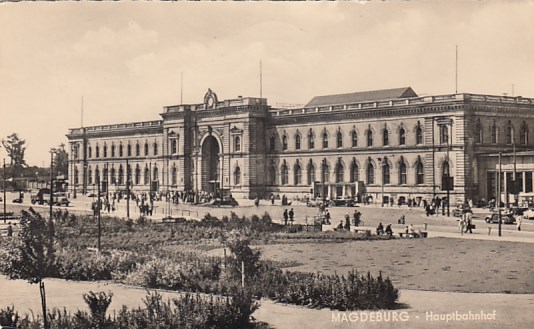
{"x":210,"y":165}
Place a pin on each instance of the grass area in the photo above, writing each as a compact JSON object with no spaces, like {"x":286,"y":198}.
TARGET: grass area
{"x":437,"y":264}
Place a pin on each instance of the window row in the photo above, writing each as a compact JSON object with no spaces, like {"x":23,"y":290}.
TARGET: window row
{"x":339,"y":141}
{"x":120,"y":151}
{"x":118,"y":176}
{"x":282,"y":176}
{"x":509,"y":133}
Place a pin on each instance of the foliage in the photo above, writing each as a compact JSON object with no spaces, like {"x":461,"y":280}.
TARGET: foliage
{"x":61,"y":160}
{"x":240,"y":248}
{"x":189,"y":311}
{"x":15,"y":148}
{"x":98,"y":305}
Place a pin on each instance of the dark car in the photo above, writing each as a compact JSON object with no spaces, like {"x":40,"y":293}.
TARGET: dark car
{"x":225,"y":202}
{"x":506,"y":218}
{"x":343,"y":203}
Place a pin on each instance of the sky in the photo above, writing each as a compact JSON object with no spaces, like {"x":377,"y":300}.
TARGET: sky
{"x":126,"y":59}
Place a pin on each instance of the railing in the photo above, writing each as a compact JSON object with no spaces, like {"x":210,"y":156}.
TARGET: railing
{"x":119,"y":126}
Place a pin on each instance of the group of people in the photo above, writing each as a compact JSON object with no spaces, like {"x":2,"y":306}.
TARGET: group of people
{"x":356,"y":220}
{"x":289,"y":216}
{"x":380,"y":229}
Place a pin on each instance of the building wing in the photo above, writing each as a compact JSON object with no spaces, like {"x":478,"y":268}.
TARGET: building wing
{"x":356,"y":97}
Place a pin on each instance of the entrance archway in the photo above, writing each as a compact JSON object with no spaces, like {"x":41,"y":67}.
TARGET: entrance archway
{"x":210,"y":178}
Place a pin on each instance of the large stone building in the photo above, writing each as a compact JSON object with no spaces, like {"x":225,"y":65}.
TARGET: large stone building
{"x":379,"y":144}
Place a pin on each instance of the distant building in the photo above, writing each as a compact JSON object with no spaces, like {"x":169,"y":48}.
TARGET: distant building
{"x":379,"y":145}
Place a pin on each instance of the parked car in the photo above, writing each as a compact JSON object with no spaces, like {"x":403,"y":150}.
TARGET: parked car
{"x":314,"y":203}
{"x":343,"y":203}
{"x":507,"y":218}
{"x":228,"y":201}
{"x":529,"y":213}
{"x":460,"y":209}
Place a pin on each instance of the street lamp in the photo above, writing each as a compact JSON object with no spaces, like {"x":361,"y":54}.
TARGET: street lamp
{"x":447,"y":180}
{"x":52,"y":152}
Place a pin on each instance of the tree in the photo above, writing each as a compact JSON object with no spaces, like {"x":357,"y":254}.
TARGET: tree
{"x":61,"y":160}
{"x":15,"y":148}
{"x":31,"y":255}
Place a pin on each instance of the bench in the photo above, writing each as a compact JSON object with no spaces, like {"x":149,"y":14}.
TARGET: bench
{"x":363,"y":229}
{"x":413,"y":235}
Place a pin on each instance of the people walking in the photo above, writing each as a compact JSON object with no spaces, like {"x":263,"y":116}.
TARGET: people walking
{"x":347,"y":221}
{"x":286,"y":216}
{"x":291,"y":216}
{"x":519,"y":221}
{"x":10,"y":230}
{"x":468,"y":220}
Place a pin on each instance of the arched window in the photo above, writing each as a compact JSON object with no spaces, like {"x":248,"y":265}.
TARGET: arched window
{"x":354,"y":138}
{"x":311,"y":173}
{"x":97,"y":175}
{"x":272,"y":144}
{"x":420,"y":173}
{"x":354,"y":174}
{"x":523,"y":134}
{"x":297,"y":142}
{"x":128,"y":174}
{"x":386,"y":173}
{"x":89,"y":152}
{"x":325,"y":139}
{"x":146,"y":149}
{"x":272,"y":174}
{"x":174,"y":176}
{"x":89,"y":176}
{"x":478,"y":132}
{"x":121,"y":175}
{"x":129,"y":150}
{"x":509,"y":133}
{"x":339,"y":139}
{"x":284,"y":143}
{"x":147,"y":176}
{"x":402,"y":174}
{"x":105,"y":173}
{"x":325,"y":172}
{"x":284,"y":175}
{"x":370,"y":174}
{"x":385,"y":137}
{"x":155,"y":148}
{"x":76,"y":176}
{"x":493,"y":130}
{"x":339,"y":173}
{"x":174,"y":145}
{"x":237,"y":175}
{"x":402,"y":137}
{"x":445,"y":168}
{"x":418,"y":135}
{"x":155,"y":174}
{"x":97,"y":151}
{"x":137,"y":175}
{"x":121,"y":150}
{"x":237,"y":144}
{"x":444,"y":134}
{"x":113,"y":177}
{"x":297,"y":174}
{"x":369,"y":137}
{"x":112,"y":150}
{"x":137,"y":149}
{"x":311,"y":140}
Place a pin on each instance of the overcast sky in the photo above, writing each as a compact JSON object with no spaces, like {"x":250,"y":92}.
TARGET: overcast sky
{"x":125,"y":59}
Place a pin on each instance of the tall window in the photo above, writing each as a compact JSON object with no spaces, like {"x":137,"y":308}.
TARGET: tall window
{"x":155,"y":175}
{"x":297,"y":173}
{"x":311,"y":140}
{"x":340,"y":173}
{"x":237,"y":144}
{"x":105,"y":173}
{"x":339,"y":139}
{"x":129,"y":150}
{"x":445,"y":168}
{"x":146,"y":149}
{"x":509,"y":132}
{"x":76,"y":176}
{"x":272,"y":143}
{"x":174,"y":176}
{"x":419,"y":135}
{"x":121,"y":150}
{"x":137,"y":175}
{"x":137,"y":149}
{"x":402,"y":173}
{"x":444,"y":134}
{"x":523,"y":134}
{"x":112,"y":150}
{"x":237,"y":176}
{"x":493,"y":129}
{"x":354,"y":137}
{"x":147,"y":176}
{"x":272,"y":174}
{"x":97,"y":175}
{"x":113,"y":177}
{"x":89,"y":152}
{"x":478,"y":132}
{"x":386,"y":174}
{"x":370,"y":174}
{"x":402,"y":137}
{"x":174,"y":146}
{"x":97,"y":151}
{"x":325,"y":140}
{"x":105,"y":151}
{"x":311,"y":173}
{"x":369,"y":138}
{"x":420,"y":173}
{"x":284,"y":143}
{"x":325,"y":173}
{"x":89,"y":176}
{"x":121,"y":175}
{"x":354,"y":175}
{"x":297,"y":142}
{"x":284,"y":174}
{"x":155,"y":148}
{"x":385,"y":136}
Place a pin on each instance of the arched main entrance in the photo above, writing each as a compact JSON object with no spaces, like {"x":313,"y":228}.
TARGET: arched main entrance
{"x":210,"y":178}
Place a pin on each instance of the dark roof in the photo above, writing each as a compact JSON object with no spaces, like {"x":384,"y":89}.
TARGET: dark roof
{"x":362,"y":96}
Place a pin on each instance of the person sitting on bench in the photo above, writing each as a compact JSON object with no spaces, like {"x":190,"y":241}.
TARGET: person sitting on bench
{"x":380,"y":229}
{"x":389,"y":231}
{"x":340,"y":226}
{"x":412,"y":231}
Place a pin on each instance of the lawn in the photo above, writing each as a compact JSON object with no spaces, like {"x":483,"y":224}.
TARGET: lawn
{"x":437,"y":264}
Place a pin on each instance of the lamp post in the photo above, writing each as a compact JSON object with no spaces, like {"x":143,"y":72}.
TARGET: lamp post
{"x":447,"y":181}
{"x":127,"y":189}
{"x":52,"y":152}
{"x":4,"y":187}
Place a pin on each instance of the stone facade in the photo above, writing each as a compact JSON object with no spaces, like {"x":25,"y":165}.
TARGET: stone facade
{"x":381,"y":145}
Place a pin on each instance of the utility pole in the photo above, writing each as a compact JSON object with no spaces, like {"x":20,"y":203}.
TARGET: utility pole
{"x":99,"y":207}
{"x":5,"y":215}
{"x":127,"y":190}
{"x":52,"y":151}
{"x":499,"y":193}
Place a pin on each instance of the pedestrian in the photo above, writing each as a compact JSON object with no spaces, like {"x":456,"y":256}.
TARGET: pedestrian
{"x":347,"y":221}
{"x":272,"y":199}
{"x":327,"y":217}
{"x":519,"y":221}
{"x":286,"y":215}
{"x":291,"y":215}
{"x":468,"y":217}
{"x":461,"y":224}
{"x":356,"y":216}
{"x":10,"y":230}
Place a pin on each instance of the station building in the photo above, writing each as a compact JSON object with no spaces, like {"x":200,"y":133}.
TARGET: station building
{"x":379,"y":145}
